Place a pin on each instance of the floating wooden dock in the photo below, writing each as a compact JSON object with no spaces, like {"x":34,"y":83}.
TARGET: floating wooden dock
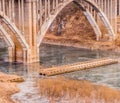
{"x":77,"y":66}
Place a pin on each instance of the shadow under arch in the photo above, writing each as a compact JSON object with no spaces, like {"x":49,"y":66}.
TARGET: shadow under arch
{"x":91,"y":20}
{"x":9,"y":42}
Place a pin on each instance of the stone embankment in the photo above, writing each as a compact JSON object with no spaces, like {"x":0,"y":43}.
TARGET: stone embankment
{"x":77,"y":66}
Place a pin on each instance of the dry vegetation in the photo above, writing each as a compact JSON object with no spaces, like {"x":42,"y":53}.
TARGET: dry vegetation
{"x":6,"y":90}
{"x":61,"y":89}
{"x":8,"y":86}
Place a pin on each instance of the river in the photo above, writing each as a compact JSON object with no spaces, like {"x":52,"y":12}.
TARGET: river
{"x":51,"y":55}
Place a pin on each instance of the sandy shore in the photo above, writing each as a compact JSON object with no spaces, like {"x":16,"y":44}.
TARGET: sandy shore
{"x":8,"y":86}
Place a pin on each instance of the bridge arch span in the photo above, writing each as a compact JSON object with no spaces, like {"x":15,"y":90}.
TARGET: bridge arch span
{"x":47,"y":24}
{"x":9,"y":42}
{"x":34,"y":17}
{"x":103,"y":17}
{"x":93,"y":23}
{"x":17,"y":46}
{"x":6,"y":37}
{"x":17,"y":33}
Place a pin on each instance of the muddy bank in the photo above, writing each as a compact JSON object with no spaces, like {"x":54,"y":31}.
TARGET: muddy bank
{"x":94,"y":45}
{"x":8,"y":86}
{"x":61,"y":90}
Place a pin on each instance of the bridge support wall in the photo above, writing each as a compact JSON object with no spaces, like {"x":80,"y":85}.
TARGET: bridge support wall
{"x":30,"y":32}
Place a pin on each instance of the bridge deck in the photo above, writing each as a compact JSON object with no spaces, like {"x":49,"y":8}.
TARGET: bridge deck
{"x":77,"y":66}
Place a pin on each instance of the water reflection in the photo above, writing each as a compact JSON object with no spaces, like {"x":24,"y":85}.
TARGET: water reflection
{"x":59,"y":55}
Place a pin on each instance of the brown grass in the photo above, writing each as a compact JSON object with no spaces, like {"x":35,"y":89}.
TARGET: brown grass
{"x":73,"y":90}
{"x":6,"y":90}
{"x":8,"y":86}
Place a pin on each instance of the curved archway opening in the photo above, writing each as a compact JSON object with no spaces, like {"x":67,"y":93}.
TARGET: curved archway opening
{"x":12,"y":35}
{"x":14,"y":29}
{"x":103,"y":18}
{"x":71,"y":25}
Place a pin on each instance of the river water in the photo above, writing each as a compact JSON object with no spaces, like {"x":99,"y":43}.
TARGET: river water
{"x":51,"y":55}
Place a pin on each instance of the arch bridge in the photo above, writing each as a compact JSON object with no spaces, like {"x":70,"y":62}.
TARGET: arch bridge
{"x":24,"y":23}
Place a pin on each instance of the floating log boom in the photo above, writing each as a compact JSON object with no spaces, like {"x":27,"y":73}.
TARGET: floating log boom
{"x":77,"y":66}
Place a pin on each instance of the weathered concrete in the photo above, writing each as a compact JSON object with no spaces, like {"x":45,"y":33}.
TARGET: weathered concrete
{"x":27,"y":21}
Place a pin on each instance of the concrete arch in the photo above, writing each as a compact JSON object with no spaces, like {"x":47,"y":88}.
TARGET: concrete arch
{"x":9,"y":42}
{"x":12,"y":26}
{"x":47,"y":24}
{"x":91,"y":20}
{"x":7,"y":38}
{"x":103,"y":17}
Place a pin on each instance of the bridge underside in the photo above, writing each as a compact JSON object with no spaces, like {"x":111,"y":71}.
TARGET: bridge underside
{"x":24,"y":23}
